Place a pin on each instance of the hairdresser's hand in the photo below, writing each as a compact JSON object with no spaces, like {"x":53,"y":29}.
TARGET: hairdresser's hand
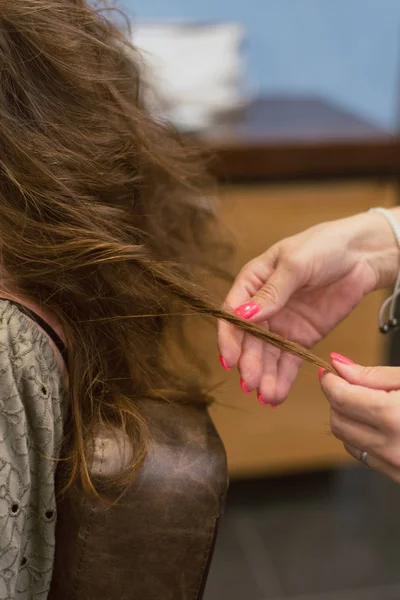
{"x":365,"y":412}
{"x":302,"y":288}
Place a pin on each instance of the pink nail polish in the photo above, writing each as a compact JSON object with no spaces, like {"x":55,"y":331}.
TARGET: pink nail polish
{"x":223,"y":363}
{"x":321,"y":372}
{"x":341,"y":359}
{"x":248,"y":310}
{"x":244,"y":388}
{"x":263,"y":403}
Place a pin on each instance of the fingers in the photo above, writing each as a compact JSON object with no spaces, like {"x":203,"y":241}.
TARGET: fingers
{"x":288,"y":367}
{"x":258,"y":367}
{"x":267,"y":385}
{"x":355,"y":402}
{"x":266,"y":369}
{"x":261,"y":289}
{"x":251,"y":279}
{"x":272,"y":295}
{"x":230,"y":338}
{"x":229,"y":343}
{"x":247,"y":283}
{"x":368,"y":420}
{"x":355,"y":433}
{"x":377,"y":378}
{"x":251,"y":362}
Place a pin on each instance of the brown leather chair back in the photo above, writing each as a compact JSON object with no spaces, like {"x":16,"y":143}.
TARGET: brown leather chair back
{"x":157,"y":542}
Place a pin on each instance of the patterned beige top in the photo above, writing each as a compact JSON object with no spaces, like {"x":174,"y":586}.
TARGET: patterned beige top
{"x":33,"y":406}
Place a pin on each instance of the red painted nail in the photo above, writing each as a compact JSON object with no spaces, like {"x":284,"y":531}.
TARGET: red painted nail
{"x":244,"y":388}
{"x":223,"y":363}
{"x":321,"y":372}
{"x":248,"y":310}
{"x":341,"y":359}
{"x":263,"y":403}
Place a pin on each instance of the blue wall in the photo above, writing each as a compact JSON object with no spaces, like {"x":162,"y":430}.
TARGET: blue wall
{"x":348,"y":50}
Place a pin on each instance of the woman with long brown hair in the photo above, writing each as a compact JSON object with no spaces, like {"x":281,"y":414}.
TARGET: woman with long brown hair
{"x":105,"y":232}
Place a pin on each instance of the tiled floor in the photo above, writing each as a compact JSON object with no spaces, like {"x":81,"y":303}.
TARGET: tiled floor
{"x":327,"y":536}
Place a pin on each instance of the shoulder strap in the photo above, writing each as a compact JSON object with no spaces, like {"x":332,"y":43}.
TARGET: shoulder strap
{"x":53,"y":335}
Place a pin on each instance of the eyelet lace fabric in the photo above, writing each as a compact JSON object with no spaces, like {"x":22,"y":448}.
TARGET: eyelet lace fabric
{"x":33,"y":407}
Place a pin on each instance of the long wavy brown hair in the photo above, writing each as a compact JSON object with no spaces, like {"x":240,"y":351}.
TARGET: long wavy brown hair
{"x":105,"y":215}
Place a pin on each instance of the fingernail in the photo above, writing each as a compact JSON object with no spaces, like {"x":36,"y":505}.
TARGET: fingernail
{"x":321,"y":372}
{"x":244,"y":388}
{"x":223,"y":363}
{"x":248,"y":310}
{"x":341,"y":359}
{"x":263,"y":403}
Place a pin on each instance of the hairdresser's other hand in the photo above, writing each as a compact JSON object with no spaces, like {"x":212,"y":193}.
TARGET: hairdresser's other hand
{"x":301,"y":288}
{"x":365,"y":412}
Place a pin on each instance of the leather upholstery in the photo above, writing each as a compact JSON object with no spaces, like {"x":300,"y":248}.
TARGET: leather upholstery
{"x":157,"y":542}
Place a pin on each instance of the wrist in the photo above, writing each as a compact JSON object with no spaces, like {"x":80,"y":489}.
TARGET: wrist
{"x":376,"y":243}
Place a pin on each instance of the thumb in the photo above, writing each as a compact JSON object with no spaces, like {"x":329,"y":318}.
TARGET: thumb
{"x":271,"y":298}
{"x":376,"y":378}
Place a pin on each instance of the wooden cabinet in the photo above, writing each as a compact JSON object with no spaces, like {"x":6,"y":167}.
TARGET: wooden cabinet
{"x":261,"y":440}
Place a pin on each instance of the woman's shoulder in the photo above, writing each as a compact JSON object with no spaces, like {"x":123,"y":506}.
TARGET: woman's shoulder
{"x":30,"y":377}
{"x":32,"y":417}
{"x":26,"y":348}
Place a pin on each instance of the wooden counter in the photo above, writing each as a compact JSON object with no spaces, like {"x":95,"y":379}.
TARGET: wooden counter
{"x":299,"y":138}
{"x":304,"y":144}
